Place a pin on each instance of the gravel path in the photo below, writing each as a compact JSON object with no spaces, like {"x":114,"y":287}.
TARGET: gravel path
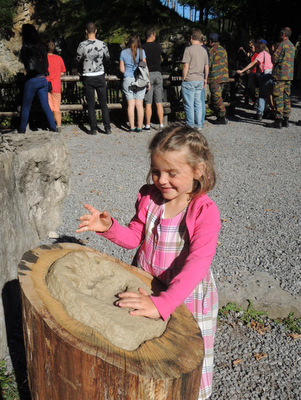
{"x":258,"y":194}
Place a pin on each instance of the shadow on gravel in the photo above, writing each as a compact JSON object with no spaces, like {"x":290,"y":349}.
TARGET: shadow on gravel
{"x":84,"y":129}
{"x":14,"y":330}
{"x":69,"y":239}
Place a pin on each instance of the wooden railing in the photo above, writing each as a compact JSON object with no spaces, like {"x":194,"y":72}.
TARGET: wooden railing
{"x":73,"y":98}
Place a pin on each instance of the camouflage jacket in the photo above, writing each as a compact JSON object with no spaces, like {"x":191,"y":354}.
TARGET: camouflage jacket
{"x":283,"y":60}
{"x":218,"y":64}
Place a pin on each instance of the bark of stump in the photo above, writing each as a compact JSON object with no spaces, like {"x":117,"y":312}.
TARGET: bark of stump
{"x":66,"y":365}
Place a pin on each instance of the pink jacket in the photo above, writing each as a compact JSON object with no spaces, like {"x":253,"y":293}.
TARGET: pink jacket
{"x":203,"y":224}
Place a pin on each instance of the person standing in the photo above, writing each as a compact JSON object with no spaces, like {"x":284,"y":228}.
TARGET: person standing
{"x":153,"y":53}
{"x":129,"y":61}
{"x":218,"y":75}
{"x":194,"y":79}
{"x":56,"y":69}
{"x":92,"y":52}
{"x":265,"y":66}
{"x":283,"y":73}
{"x":34,"y":57}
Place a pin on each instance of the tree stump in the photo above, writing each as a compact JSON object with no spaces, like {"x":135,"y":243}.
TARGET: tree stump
{"x":74,"y":362}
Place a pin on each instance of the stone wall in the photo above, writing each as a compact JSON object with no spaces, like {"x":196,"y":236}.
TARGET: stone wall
{"x":34,"y":182}
{"x":10,"y":49}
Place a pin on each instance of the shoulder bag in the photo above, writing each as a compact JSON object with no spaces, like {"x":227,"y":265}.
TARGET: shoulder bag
{"x":141,"y":74}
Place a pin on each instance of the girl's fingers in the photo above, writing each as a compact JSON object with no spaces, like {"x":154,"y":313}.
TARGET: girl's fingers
{"x":90,"y":208}
{"x":84,"y":217}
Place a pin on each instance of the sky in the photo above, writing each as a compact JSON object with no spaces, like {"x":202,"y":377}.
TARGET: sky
{"x":180,"y":10}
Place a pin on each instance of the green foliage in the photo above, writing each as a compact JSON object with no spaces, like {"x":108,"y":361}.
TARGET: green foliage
{"x":246,"y":316}
{"x":8,"y":386}
{"x":250,"y":314}
{"x":292,"y":324}
{"x":5,"y":123}
{"x":7,"y":11}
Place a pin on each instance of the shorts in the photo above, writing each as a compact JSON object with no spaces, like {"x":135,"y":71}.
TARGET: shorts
{"x":54,"y":100}
{"x":131,"y":92}
{"x":156,"y":89}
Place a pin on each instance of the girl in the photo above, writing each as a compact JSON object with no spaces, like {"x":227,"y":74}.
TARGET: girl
{"x":176,"y":226}
{"x":129,"y":60}
{"x":264,"y":63}
{"x":56,"y":70}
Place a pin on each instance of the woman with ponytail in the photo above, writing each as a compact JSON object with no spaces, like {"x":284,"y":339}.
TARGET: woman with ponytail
{"x":129,"y":60}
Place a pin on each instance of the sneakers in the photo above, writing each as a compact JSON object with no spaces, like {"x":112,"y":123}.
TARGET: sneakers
{"x":108,"y":131}
{"x":93,"y":131}
{"x":258,"y":117}
{"x":146,"y":128}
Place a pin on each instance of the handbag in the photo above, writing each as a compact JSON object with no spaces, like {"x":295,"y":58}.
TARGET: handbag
{"x":49,"y":87}
{"x":141,"y":74}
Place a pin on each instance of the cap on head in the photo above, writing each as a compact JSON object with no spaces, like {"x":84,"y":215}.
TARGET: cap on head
{"x":213,"y":37}
{"x":262,"y":41}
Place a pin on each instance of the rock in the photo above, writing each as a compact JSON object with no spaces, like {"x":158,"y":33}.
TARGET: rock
{"x":264,"y":292}
{"x":34,"y":181}
{"x":53,"y":235}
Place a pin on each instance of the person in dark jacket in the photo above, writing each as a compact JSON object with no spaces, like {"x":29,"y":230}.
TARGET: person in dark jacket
{"x":34,"y":57}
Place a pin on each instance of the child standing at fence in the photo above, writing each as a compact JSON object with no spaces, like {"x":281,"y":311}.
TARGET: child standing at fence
{"x":176,"y":226}
{"x":56,"y":69}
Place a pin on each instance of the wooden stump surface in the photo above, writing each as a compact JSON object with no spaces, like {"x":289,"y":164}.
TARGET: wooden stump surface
{"x":68,"y":360}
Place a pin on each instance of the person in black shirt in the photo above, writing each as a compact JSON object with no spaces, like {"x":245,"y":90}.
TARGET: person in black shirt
{"x":153,"y":53}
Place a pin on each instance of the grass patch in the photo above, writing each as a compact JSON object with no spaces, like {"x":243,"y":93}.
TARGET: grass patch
{"x":250,"y":315}
{"x":8,"y":385}
{"x":291,"y":324}
{"x":245,"y":316}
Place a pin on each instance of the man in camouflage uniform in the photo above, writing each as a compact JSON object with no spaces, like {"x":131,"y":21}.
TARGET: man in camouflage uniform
{"x":283,"y":73}
{"x":218,"y":75}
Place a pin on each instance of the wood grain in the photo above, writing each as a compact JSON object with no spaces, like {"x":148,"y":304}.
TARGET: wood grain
{"x":68,"y":360}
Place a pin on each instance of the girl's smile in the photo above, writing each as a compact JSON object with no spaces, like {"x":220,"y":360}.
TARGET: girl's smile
{"x":173,"y":176}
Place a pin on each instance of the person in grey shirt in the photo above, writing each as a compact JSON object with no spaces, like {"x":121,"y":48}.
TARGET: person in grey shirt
{"x":194,"y":79}
{"x":92,"y":52}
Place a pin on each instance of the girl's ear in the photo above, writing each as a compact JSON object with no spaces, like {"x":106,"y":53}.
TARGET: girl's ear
{"x":199,"y":170}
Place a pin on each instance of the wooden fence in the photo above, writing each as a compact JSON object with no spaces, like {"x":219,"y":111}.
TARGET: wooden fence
{"x":73,"y":98}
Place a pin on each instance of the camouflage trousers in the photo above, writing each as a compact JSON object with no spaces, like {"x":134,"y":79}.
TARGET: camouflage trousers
{"x":282,"y":98}
{"x":216,"y":90}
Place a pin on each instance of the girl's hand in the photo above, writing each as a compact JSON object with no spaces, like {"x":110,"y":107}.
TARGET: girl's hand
{"x":95,"y":221}
{"x":239,"y":72}
{"x":141,"y":302}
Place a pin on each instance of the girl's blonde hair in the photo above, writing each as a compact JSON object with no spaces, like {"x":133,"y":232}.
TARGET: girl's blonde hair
{"x":177,"y":137}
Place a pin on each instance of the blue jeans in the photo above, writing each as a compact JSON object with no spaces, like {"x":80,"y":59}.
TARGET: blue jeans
{"x":37,"y":85}
{"x":203,"y":106}
{"x":265,"y":86}
{"x":193,"y":102}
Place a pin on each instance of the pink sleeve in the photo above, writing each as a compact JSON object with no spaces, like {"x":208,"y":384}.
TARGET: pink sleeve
{"x":260,"y":57}
{"x":131,"y":236}
{"x":202,"y":249}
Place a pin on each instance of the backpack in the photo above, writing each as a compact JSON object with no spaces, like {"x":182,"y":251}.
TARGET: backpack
{"x":141,"y":74}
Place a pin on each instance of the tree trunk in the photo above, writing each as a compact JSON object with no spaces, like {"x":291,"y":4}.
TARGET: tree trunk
{"x":74,"y":362}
